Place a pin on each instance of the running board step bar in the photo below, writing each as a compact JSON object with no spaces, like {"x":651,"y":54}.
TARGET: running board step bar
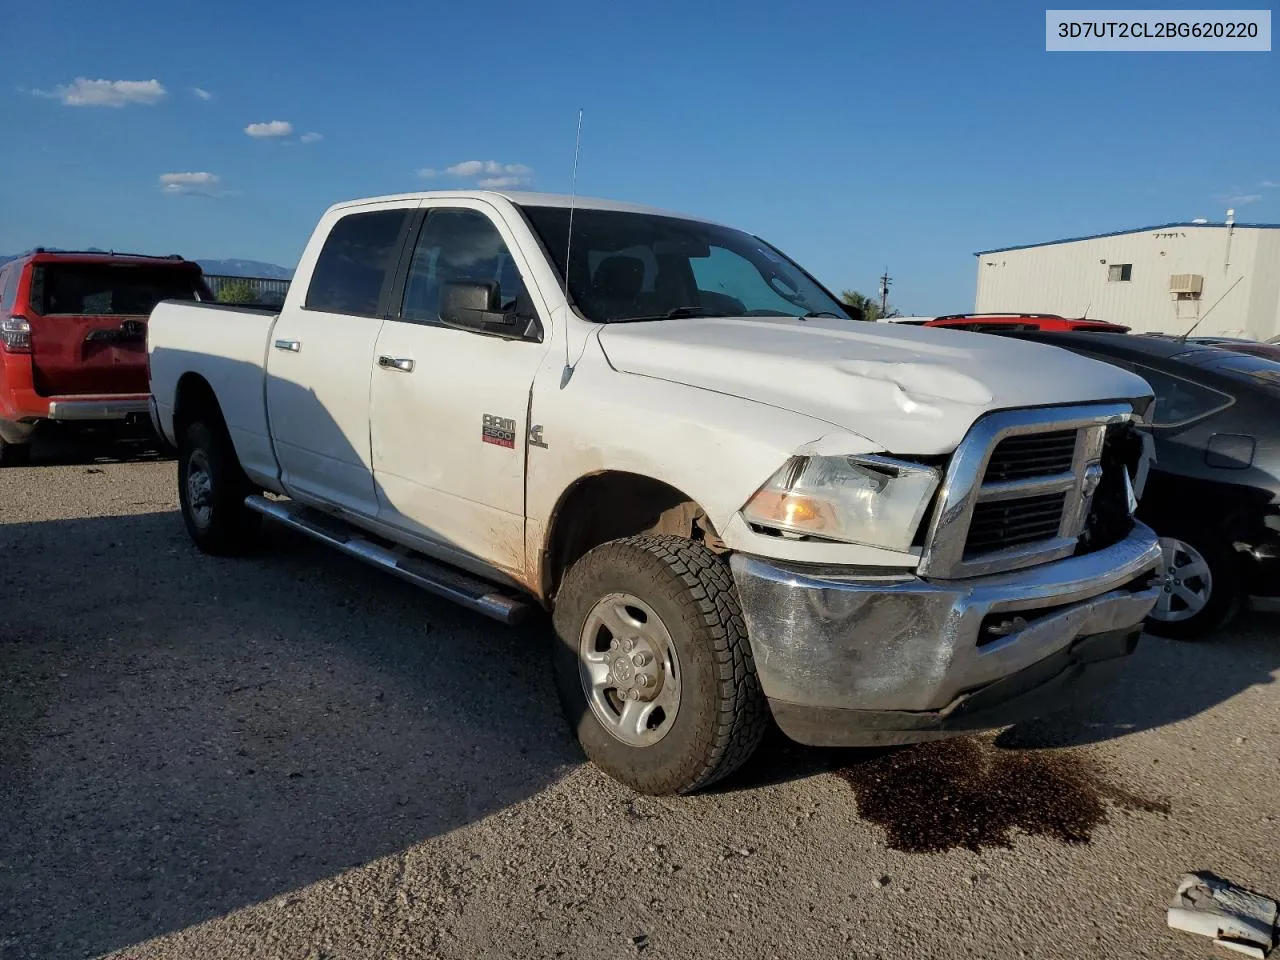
{"x":461,"y":588}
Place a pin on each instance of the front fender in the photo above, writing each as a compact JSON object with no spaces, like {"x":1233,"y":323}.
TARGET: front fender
{"x":717,"y":449}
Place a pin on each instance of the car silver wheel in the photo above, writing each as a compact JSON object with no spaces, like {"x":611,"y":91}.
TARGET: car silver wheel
{"x":199,"y":488}
{"x":1185,"y":581}
{"x":629,"y":670}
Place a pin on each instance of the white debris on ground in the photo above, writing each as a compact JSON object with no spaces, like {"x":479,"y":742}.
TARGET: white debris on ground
{"x":1235,"y":918}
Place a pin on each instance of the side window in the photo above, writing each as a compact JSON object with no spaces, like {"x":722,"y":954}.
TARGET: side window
{"x":8,"y":287}
{"x":724,"y":271}
{"x":457,"y":244}
{"x":358,"y":256}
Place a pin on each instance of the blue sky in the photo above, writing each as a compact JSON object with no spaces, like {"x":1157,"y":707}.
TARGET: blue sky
{"x":907,"y":136}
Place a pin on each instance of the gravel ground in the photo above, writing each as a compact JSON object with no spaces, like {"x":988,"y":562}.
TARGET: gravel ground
{"x":291,"y":755}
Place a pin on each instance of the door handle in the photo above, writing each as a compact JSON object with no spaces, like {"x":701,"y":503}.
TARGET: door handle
{"x":293,"y":346}
{"x":403,"y":364}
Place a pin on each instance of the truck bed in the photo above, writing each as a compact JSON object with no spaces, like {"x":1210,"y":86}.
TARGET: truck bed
{"x":226,"y":345}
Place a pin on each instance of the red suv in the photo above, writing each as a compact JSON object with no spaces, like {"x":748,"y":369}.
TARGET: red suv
{"x":73,"y":337}
{"x":1005,"y":322}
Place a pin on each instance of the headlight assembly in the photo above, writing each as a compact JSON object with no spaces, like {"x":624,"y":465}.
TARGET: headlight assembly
{"x":870,"y":500}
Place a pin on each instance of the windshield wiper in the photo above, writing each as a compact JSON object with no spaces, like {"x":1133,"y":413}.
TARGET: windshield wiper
{"x":678,"y":313}
{"x":824,"y":313}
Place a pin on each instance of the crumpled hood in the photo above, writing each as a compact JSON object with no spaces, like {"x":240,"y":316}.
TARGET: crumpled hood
{"x":911,"y":390}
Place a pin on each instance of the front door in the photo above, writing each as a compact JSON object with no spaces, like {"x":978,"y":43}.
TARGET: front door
{"x":320,"y":358}
{"x":449,"y":408}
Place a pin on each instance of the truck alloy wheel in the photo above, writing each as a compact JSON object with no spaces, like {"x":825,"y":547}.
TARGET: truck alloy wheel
{"x":653,"y":664}
{"x":199,"y":488}
{"x":211,"y":490}
{"x":630,"y":670}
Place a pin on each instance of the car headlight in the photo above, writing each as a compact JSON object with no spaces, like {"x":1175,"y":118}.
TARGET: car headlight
{"x":870,"y":500}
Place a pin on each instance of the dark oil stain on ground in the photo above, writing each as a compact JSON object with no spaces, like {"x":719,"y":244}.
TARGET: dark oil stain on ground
{"x":969,"y":793}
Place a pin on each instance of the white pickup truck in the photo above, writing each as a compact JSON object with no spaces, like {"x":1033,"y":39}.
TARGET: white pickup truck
{"x":737,"y":501}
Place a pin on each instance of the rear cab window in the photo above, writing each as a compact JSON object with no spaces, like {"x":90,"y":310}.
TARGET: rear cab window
{"x":357,"y":263}
{"x":109,"y":289}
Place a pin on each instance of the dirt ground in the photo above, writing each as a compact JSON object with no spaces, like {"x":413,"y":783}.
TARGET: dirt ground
{"x":293,"y":756}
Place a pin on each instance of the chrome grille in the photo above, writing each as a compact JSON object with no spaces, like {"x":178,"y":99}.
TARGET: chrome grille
{"x":1017,"y":490}
{"x":998,"y":524}
{"x":1031,"y":455}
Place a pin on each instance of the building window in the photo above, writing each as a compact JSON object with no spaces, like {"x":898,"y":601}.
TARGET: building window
{"x":1122,"y":272}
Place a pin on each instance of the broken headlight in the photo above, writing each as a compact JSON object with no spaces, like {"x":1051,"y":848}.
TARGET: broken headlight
{"x":870,"y":500}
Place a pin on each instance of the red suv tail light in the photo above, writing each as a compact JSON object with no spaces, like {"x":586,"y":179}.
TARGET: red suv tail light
{"x":15,"y":335}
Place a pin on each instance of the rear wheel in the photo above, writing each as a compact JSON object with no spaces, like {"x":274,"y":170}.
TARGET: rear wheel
{"x":14,"y":454}
{"x":653,"y":664}
{"x":211,"y":491}
{"x":1199,"y":587}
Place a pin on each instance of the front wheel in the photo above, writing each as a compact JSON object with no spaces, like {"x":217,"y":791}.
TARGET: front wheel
{"x":1199,"y":588}
{"x":653,"y":664}
{"x":211,"y":491}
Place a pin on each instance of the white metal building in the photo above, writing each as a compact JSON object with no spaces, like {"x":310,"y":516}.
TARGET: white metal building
{"x":1153,"y":279}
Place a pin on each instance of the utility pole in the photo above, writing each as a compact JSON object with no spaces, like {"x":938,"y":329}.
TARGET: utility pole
{"x":885,"y":282}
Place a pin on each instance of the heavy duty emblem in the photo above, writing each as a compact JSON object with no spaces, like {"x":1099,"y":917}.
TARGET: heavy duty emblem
{"x":500,"y":431}
{"x":535,"y":436}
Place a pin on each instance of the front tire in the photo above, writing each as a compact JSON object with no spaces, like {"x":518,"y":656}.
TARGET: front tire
{"x":653,"y":664}
{"x":211,"y":491}
{"x":1200,"y":587}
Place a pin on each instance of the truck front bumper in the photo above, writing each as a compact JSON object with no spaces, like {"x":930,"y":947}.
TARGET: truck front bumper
{"x":852,"y":659}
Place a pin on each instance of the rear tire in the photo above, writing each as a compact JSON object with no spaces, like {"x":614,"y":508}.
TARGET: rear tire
{"x":14,"y":454}
{"x":1200,"y":587}
{"x":653,"y":664}
{"x":212,"y":489}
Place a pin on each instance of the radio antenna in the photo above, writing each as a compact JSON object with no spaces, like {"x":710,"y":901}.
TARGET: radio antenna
{"x":1183,"y":338}
{"x":568,"y":249}
{"x":573,"y":197}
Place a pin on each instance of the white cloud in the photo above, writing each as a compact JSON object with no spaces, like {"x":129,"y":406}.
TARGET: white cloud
{"x":201,"y":93}
{"x":467,"y":168}
{"x":1239,"y":199}
{"x":202,"y":184}
{"x":311,"y":137}
{"x":474,"y":168}
{"x":1270,"y":184}
{"x":498,"y":183}
{"x":271,"y":130}
{"x":106,"y":93}
{"x":426,"y":173}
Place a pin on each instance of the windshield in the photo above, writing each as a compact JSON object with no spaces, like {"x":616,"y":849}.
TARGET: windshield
{"x":640,"y":266}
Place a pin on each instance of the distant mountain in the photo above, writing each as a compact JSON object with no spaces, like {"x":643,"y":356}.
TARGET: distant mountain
{"x":229,"y":268}
{"x":246,"y":268}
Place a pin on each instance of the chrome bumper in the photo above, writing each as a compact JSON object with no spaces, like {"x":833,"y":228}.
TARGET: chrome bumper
{"x":101,"y":408}
{"x":848,"y":659}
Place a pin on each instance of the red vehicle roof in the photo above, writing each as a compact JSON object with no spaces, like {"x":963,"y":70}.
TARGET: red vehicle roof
{"x":1024,"y":321}
{"x":40,"y":255}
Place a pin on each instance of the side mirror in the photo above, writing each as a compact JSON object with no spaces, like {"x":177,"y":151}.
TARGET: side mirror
{"x":475,"y":305}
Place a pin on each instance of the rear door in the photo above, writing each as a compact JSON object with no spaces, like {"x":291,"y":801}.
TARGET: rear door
{"x":89,"y":321}
{"x":320,"y":359}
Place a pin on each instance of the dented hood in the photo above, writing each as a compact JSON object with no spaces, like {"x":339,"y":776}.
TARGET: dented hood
{"x":911,"y":390}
